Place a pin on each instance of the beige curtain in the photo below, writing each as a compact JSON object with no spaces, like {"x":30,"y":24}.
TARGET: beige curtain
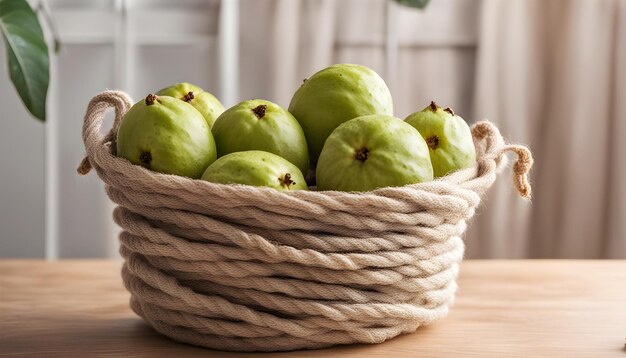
{"x":282,"y":42}
{"x":553,"y":74}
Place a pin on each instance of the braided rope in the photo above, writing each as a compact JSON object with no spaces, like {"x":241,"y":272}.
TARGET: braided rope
{"x":245,"y":268}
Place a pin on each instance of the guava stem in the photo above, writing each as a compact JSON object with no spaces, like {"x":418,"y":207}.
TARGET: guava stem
{"x":449,"y":110}
{"x":286,"y":180}
{"x":259,"y":110}
{"x":145,"y":158}
{"x":188,"y":97}
{"x":433,"y":142}
{"x":150,"y":99}
{"x":433,"y":106}
{"x":361,"y":154}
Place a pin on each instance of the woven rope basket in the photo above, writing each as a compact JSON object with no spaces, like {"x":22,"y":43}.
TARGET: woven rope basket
{"x":243,"y":268}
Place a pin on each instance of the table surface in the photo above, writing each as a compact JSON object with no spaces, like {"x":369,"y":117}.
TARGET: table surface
{"x":522,"y":308}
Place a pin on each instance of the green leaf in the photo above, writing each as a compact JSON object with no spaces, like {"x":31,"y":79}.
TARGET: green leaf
{"x":420,"y":4}
{"x":27,"y":53}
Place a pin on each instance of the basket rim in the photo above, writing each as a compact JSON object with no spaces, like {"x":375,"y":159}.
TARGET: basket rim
{"x":456,"y":177}
{"x":488,"y":142}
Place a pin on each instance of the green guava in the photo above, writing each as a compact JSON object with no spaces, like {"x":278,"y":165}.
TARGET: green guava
{"x":335,"y":95}
{"x":261,"y":125}
{"x":256,"y":168}
{"x":209,"y":106}
{"x":448,"y":137}
{"x":372,"y":152}
{"x":166,"y":135}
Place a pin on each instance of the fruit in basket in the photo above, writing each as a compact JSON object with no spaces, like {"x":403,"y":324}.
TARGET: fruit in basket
{"x":166,"y":135}
{"x":371,"y":152}
{"x":448,"y":137}
{"x":335,"y":95}
{"x":256,"y":168}
{"x":209,"y":106}
{"x":261,"y":125}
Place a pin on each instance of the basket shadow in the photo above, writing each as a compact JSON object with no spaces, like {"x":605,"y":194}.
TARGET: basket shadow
{"x":86,"y":337}
{"x":132,"y":337}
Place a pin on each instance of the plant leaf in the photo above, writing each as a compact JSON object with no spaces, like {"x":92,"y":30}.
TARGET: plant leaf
{"x":27,"y":53}
{"x":420,"y":4}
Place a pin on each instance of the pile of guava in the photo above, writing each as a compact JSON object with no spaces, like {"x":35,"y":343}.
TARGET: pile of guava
{"x":338,"y":133}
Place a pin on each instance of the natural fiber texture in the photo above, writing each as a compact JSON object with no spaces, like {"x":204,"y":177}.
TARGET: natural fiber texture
{"x":243,"y":268}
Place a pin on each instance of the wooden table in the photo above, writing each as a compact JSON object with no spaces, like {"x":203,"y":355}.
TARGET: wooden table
{"x":503,"y":309}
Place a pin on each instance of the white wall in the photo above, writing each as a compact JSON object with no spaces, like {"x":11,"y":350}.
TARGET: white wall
{"x":21,"y":174}
{"x":84,"y":228}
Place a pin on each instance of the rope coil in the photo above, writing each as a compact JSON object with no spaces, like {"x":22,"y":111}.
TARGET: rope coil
{"x":244,"y":268}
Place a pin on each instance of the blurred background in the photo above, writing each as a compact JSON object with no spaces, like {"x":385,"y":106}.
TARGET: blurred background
{"x":550,"y":74}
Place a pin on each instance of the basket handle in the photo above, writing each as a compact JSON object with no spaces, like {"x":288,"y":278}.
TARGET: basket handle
{"x":93,"y":122}
{"x":495,"y":148}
